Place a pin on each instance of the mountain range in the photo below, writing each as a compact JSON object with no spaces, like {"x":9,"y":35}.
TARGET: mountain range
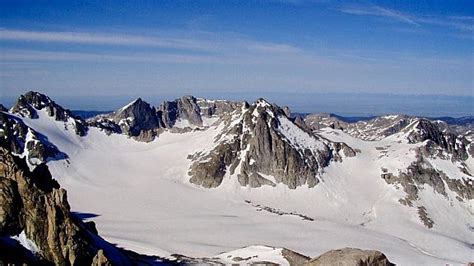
{"x":219,"y":181}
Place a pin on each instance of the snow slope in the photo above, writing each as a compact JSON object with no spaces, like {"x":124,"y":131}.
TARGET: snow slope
{"x":140,"y":198}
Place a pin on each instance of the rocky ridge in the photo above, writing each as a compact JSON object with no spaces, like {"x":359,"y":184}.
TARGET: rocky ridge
{"x":28,"y":104}
{"x":258,"y":141}
{"x":26,"y":142}
{"x":144,"y":122}
{"x":438,"y":138}
{"x":431,"y":140}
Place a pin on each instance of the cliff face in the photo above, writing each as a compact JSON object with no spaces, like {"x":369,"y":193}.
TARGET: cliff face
{"x":260,"y":140}
{"x":33,"y":204}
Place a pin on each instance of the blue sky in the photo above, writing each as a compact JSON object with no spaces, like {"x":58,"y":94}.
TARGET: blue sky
{"x":88,"y":48}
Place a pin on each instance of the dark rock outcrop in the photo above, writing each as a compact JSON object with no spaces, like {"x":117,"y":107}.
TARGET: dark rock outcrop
{"x":138,"y":119}
{"x":351,"y":257}
{"x":184,"y":108}
{"x":27,"y":104}
{"x":33,"y":203}
{"x":254,"y":145}
{"x":420,"y":173}
{"x":21,"y":139}
{"x":426,"y":130}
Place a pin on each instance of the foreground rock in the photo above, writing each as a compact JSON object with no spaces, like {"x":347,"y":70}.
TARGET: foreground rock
{"x":35,"y":208}
{"x":350,"y":257}
{"x":266,"y":255}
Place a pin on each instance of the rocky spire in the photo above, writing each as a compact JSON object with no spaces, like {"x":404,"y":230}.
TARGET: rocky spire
{"x":265,"y":142}
{"x":185,"y":107}
{"x":137,"y":119}
{"x":28,"y":104}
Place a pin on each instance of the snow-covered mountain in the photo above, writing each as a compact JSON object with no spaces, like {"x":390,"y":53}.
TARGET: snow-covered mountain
{"x":201,"y":177}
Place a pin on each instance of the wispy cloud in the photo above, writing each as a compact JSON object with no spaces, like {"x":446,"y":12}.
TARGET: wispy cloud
{"x":34,"y":55}
{"x":102,"y":38}
{"x":378,"y":11}
{"x":460,"y":23}
{"x":201,"y":42}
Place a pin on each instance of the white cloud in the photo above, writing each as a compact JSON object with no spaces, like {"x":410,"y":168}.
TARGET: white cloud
{"x":378,"y":11}
{"x":103,"y":38}
{"x":461,"y":23}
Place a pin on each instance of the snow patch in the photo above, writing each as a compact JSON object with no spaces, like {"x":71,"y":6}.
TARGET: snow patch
{"x":26,"y":243}
{"x":253,"y":254}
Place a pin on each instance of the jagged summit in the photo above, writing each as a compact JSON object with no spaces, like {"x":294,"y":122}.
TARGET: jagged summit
{"x":30,"y":103}
{"x":259,"y":142}
{"x":137,"y":118}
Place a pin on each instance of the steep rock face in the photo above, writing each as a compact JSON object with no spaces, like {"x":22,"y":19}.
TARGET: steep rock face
{"x":194,"y":110}
{"x":259,"y":141}
{"x":184,"y":108}
{"x":143,"y":122}
{"x":137,"y":119}
{"x":26,"y":142}
{"x":33,"y":203}
{"x":351,"y":257}
{"x":3,"y":108}
{"x":425,"y":130}
{"x":211,"y":108}
{"x":27,"y":104}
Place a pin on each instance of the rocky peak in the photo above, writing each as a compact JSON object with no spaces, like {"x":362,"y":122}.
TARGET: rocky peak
{"x":261,"y":146}
{"x":184,"y":108}
{"x":211,"y":108}
{"x":136,"y":118}
{"x":28,"y":104}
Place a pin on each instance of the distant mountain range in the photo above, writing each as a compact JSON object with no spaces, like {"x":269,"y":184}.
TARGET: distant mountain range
{"x":200,"y":177}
